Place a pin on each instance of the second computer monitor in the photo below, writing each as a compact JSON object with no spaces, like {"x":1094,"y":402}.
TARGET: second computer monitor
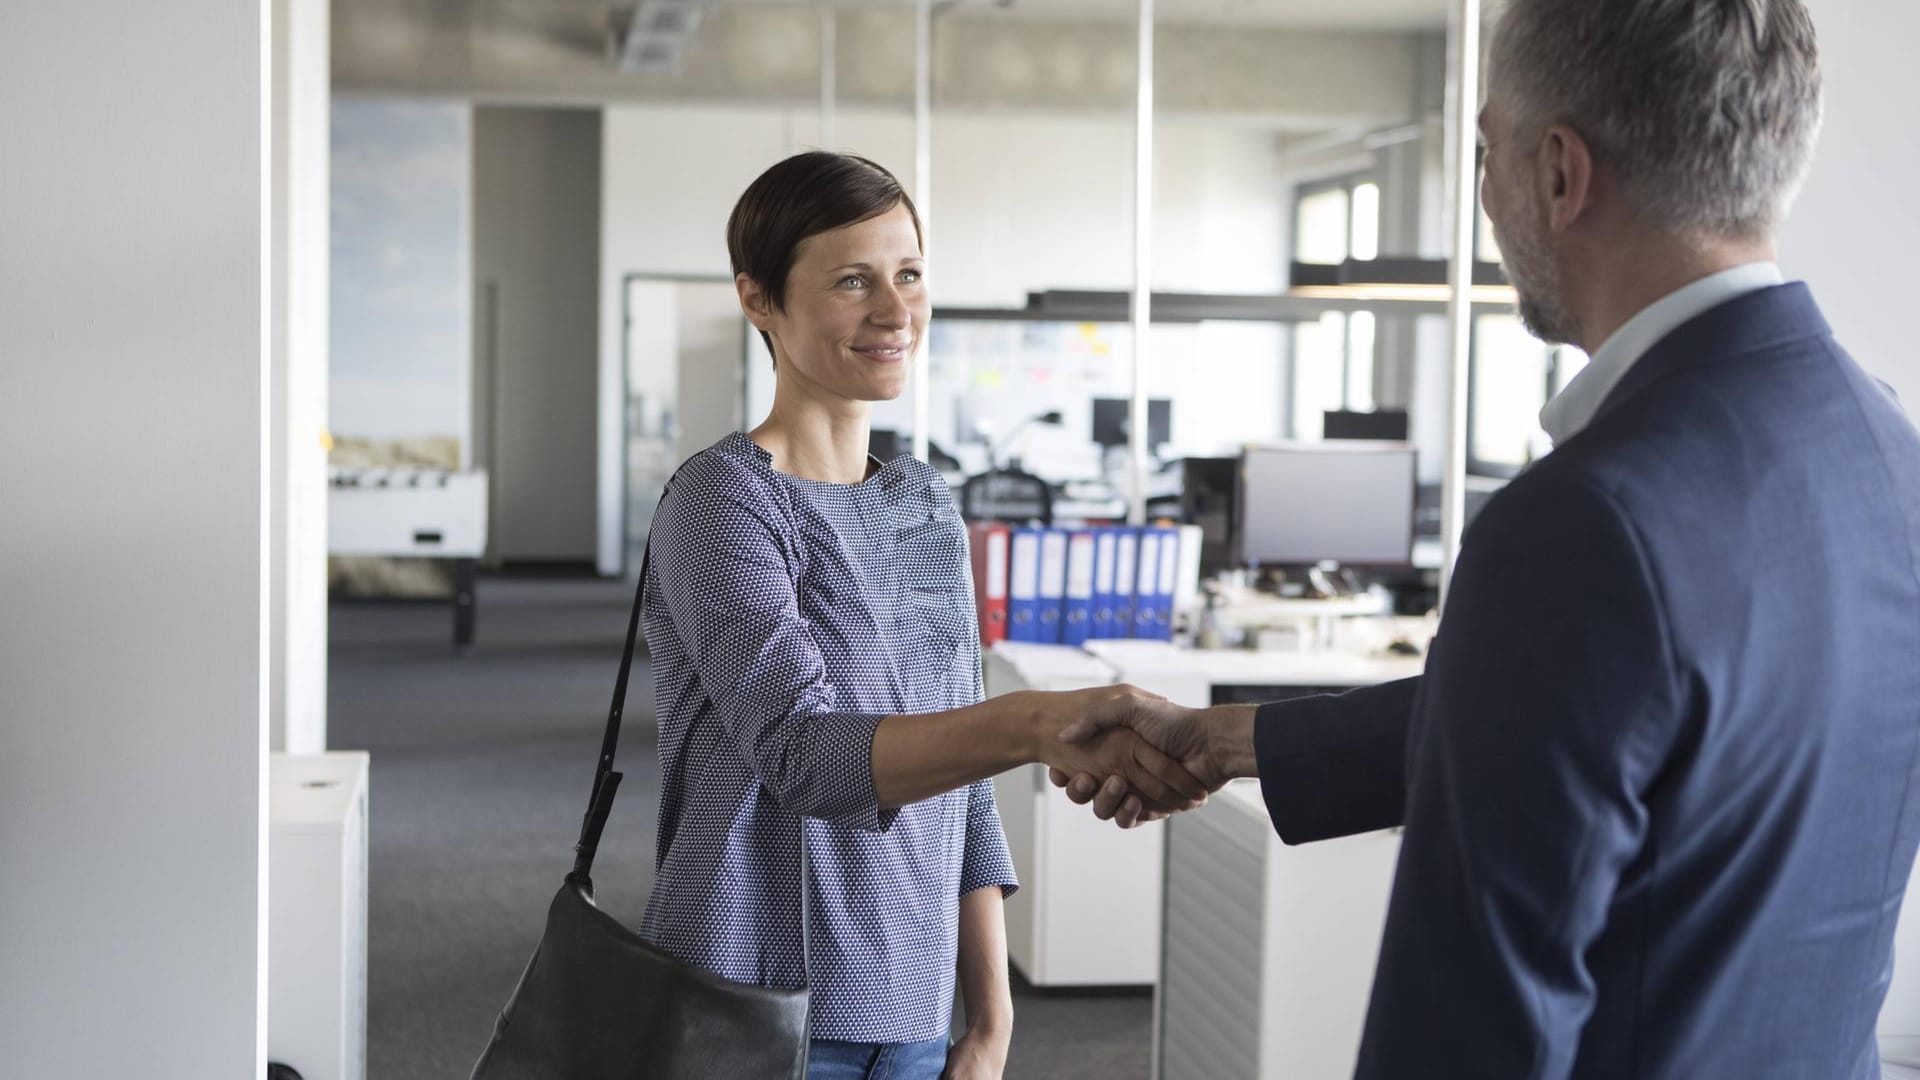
{"x":1384,"y":424}
{"x":1113,"y":419}
{"x":1308,"y":504}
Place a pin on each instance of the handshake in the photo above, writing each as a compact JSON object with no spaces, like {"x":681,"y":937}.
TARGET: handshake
{"x":1136,"y":756}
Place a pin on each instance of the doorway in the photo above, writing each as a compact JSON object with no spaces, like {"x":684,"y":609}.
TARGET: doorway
{"x":684,"y":354}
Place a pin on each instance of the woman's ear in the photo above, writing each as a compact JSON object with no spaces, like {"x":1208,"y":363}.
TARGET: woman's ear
{"x":755,"y":304}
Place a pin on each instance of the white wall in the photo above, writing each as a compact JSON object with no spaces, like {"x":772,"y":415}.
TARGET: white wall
{"x":133,"y":558}
{"x":1853,"y":236}
{"x":1854,"y":233}
{"x":1020,"y":201}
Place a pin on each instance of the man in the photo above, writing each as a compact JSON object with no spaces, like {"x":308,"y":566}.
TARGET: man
{"x":1658,"y":777}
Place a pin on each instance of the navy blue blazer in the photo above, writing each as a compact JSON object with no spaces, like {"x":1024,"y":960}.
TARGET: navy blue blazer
{"x":1658,"y":776}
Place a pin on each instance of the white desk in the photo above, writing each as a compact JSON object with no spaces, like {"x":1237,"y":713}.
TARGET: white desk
{"x":1088,"y":910}
{"x":1191,"y":677}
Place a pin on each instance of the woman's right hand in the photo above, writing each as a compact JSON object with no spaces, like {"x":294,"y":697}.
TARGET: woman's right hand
{"x":1117,"y":756}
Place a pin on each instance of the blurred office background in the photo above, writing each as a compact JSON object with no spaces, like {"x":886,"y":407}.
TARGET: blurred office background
{"x":464,"y":261}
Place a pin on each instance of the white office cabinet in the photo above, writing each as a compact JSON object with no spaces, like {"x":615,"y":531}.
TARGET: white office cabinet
{"x":1270,"y":949}
{"x":317,"y":914}
{"x":1088,"y":909}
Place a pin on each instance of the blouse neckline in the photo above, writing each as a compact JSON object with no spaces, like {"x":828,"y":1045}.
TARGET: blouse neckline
{"x":882,"y":475}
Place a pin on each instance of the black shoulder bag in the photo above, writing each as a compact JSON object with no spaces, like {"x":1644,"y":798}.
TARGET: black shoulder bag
{"x":598,"y":1002}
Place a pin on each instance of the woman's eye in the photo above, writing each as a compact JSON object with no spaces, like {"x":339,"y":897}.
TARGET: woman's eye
{"x":853,"y":281}
{"x":910,"y":277}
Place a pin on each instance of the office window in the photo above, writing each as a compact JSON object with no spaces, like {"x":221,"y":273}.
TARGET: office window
{"x":1323,"y":219}
{"x":1510,"y":376}
{"x":1485,"y":246}
{"x":1365,"y":222}
{"x":1359,"y":388}
{"x":1333,"y":359}
{"x":1510,"y":370}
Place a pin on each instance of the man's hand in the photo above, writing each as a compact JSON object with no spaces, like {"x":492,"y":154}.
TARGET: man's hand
{"x":1121,"y":759}
{"x":1214,"y":745}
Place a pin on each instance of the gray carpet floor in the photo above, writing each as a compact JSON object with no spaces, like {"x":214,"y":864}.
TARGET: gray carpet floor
{"x":481,"y":764}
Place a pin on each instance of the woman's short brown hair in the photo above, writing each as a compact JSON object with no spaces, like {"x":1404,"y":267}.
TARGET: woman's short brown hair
{"x":803,"y":196}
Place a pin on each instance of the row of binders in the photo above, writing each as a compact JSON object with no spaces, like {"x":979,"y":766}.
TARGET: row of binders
{"x":1068,"y":586}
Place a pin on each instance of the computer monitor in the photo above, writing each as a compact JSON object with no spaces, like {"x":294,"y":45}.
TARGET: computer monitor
{"x":1301,"y":505}
{"x":1389,"y":425}
{"x":1113,"y":421}
{"x":1206,"y":499}
{"x":885,"y":444}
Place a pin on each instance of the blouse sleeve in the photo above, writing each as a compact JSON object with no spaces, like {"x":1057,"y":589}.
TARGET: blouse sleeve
{"x":720,"y":567}
{"x":987,"y":860}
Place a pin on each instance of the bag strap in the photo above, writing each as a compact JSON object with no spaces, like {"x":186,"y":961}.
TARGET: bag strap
{"x":606,"y":781}
{"x":806,"y":910}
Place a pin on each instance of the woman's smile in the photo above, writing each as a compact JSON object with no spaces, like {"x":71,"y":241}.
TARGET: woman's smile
{"x":885,"y":353}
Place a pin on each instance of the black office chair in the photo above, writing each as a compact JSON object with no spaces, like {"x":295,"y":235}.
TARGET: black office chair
{"x":1011,"y":495}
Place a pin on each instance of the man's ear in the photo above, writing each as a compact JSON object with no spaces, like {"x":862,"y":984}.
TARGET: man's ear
{"x":755,"y":304}
{"x":1564,"y":174}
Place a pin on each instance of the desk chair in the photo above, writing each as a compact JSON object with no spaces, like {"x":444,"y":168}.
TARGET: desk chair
{"x":1011,"y":495}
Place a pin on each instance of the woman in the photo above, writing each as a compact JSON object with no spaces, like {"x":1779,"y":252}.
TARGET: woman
{"x":815,"y":656}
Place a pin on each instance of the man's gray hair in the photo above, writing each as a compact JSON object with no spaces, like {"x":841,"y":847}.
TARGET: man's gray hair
{"x":1705,"y":109}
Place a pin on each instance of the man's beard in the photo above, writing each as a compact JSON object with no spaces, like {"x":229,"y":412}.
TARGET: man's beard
{"x":1535,"y":275}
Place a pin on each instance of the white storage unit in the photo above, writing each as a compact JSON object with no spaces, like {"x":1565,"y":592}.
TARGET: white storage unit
{"x":1270,"y":949}
{"x":1088,"y":909}
{"x":317,"y":914}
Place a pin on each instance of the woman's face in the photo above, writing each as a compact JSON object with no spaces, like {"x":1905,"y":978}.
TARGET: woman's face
{"x":856,"y":306}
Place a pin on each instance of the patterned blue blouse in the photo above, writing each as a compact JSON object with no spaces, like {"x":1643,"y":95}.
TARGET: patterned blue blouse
{"x":786,"y":617}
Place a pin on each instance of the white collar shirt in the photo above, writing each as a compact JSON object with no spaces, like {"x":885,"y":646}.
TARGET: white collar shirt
{"x":1573,"y":408}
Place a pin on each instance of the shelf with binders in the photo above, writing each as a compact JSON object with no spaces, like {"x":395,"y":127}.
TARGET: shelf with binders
{"x":1069,"y":585}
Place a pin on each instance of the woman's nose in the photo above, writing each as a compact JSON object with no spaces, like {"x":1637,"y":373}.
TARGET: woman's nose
{"x":890,"y":310}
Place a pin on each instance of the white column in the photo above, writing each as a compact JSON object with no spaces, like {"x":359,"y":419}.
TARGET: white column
{"x":301,"y":102}
{"x":1142,"y":306}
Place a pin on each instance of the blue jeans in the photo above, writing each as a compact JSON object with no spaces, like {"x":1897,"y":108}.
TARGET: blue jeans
{"x":828,"y":1059}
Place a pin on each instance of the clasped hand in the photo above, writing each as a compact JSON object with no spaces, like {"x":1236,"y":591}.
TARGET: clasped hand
{"x":1134,"y":755}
